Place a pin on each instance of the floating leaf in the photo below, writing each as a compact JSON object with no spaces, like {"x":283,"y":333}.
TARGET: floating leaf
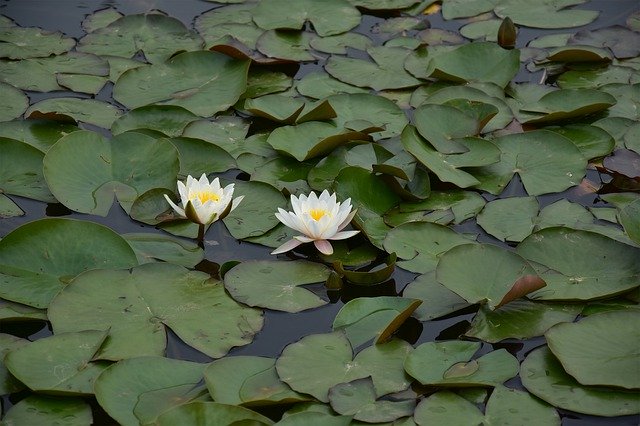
{"x":542,"y":375}
{"x":21,"y":171}
{"x":509,"y":219}
{"x":592,"y":141}
{"x":287,"y":45}
{"x":275,"y":285}
{"x":84,"y":170}
{"x":15,"y":102}
{"x":437,"y":300}
{"x":89,"y":111}
{"x":622,"y":41}
{"x":580,"y":265}
{"x":39,"y":258}
{"x":140,"y":302}
{"x":40,"y":134}
{"x":198,"y":157}
{"x":153,"y":248}
{"x":40,"y":410}
{"x":320,"y":85}
{"x":168,"y":119}
{"x":8,"y":382}
{"x":20,"y":43}
{"x":600,"y":349}
{"x":213,"y":412}
{"x":445,"y":407}
{"x":202,"y":82}
{"x":59,"y":364}
{"x":8,"y":208}
{"x":229,"y":133}
{"x":565,"y":104}
{"x":100,"y":19}
{"x":547,"y":14}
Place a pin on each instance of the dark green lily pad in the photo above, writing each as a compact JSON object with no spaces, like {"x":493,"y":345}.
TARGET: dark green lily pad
{"x":565,"y":104}
{"x":421,"y":244}
{"x":580,"y":265}
{"x":358,"y":399}
{"x":140,"y":302}
{"x":228,"y":133}
{"x":157,"y":36}
{"x":248,"y":380}
{"x":198,"y":157}
{"x":262,"y":82}
{"x":543,"y":375}
{"x":545,"y":161}
{"x":21,"y":171}
{"x":8,"y":208}
{"x":549,"y":14}
{"x":11,"y":311}
{"x":168,"y":119}
{"x":339,"y":43}
{"x":320,"y":85}
{"x":285,"y":174}
{"x":8,"y":382}
{"x":446,"y":407}
{"x":383,"y":4}
{"x":15,"y":102}
{"x":162,"y":248}
{"x":85,"y":170}
{"x":386,"y":72}
{"x":214,"y":413}
{"x":361,"y":106}
{"x":21,"y":43}
{"x":592,"y":141}
{"x":622,"y":41}
{"x":579,"y":54}
{"x":630,"y":220}
{"x":579,"y":347}
{"x":100,"y":19}
{"x":40,"y":134}
{"x":91,"y":111}
{"x":442,"y":125}
{"x":287,"y":45}
{"x":202,"y":82}
{"x":442,"y":207}
{"x":519,"y":319}
{"x":448,"y":364}
{"x":509,"y":219}
{"x":40,"y":257}
{"x":59,"y":364}
{"x":274,"y":14}
{"x":364,"y":318}
{"x":437,"y":300}
{"x":40,"y":410}
{"x":119,"y":388}
{"x":274,"y":284}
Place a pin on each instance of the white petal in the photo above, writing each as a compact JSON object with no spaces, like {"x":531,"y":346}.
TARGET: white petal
{"x":289,"y":245}
{"x":184,"y":193}
{"x":291,"y":220}
{"x":347,"y":220}
{"x":303,"y":239}
{"x":203,"y":180}
{"x":178,"y":210}
{"x":343,"y":235}
{"x":324,"y":246}
{"x":236,"y":201}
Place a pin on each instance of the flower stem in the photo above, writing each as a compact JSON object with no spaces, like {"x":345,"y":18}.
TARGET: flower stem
{"x":201,"y":231}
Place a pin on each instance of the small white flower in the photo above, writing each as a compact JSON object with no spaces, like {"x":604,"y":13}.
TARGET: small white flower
{"x":204,"y":202}
{"x":319,"y":219}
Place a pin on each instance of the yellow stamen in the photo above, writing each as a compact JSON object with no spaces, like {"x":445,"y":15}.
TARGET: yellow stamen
{"x":205,"y":196}
{"x":316,"y":214}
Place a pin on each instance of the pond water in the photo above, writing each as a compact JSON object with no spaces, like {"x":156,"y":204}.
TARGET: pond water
{"x":280,"y":328}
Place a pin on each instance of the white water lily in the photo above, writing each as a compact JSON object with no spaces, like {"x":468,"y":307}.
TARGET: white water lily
{"x":320,"y":219}
{"x":204,"y":202}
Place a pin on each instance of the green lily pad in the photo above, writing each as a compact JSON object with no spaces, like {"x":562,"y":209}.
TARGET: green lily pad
{"x":630,"y":220}
{"x":543,"y":375}
{"x":287,"y":45}
{"x":278,"y":108}
{"x":509,"y":219}
{"x":84,"y":170}
{"x":140,"y":302}
{"x":383,"y":4}
{"x":274,"y":284}
{"x":448,"y":364}
{"x":441,"y":125}
{"x":386,"y":72}
{"x":437,"y":300}
{"x":100,"y":19}
{"x":421,"y":244}
{"x":578,"y":347}
{"x":15,"y":102}
{"x":274,"y":14}
{"x":40,"y":410}
{"x":39,"y":258}
{"x":486,"y":30}
{"x":565,"y":104}
{"x":162,"y":248}
{"x":198,"y":157}
{"x":40,"y":134}
{"x":314,"y":418}
{"x":11,"y":311}
{"x":592,"y":141}
{"x":168,"y":119}
{"x":622,"y":41}
{"x":8,"y":382}
{"x":89,"y":111}
{"x":157,"y":36}
{"x":442,"y":207}
{"x":41,"y":74}
{"x":547,"y":14}
{"x":579,"y":54}
{"x":21,"y":171}
{"x":8,"y":208}
{"x":332,"y":354}
{"x":229,"y":133}
{"x":320,"y":85}
{"x":202,"y":82}
{"x":119,"y":388}
{"x":285,"y":174}
{"x":358,"y":399}
{"x":339,"y":43}
{"x":59,"y":364}
{"x":545,"y":161}
{"x":214,"y":414}
{"x":371,"y":277}
{"x":580,"y":265}
{"x":463,"y":270}
{"x":255,"y":214}
{"x":364,"y":318}
{"x":248,"y":380}
{"x":519,"y":319}
{"x":262,"y":82}
{"x":21,"y":43}
{"x":445,"y":407}
{"x":153,"y":403}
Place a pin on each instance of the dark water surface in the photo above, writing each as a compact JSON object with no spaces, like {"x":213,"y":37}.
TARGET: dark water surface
{"x":281,"y":328}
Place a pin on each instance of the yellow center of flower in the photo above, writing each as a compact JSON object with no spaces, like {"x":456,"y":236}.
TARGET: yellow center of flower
{"x":205,"y":196}
{"x":316,"y":214}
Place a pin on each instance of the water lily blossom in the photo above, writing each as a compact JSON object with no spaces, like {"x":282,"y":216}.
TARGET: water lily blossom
{"x":320,"y":219}
{"x":204,"y":202}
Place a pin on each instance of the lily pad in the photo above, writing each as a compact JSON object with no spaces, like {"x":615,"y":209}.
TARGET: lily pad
{"x":229,"y":133}
{"x":214,"y":413}
{"x":519,"y":319}
{"x":21,"y":171}
{"x":21,"y":43}
{"x":548,"y":14}
{"x":592,"y":141}
{"x":202,"y":82}
{"x":448,"y":364}
{"x":89,"y":111}
{"x":140,"y":302}
{"x":572,"y":263}
{"x":565,"y":104}
{"x":579,"y":347}
{"x":15,"y":102}
{"x":509,"y":219}
{"x":287,"y":45}
{"x":364,"y":318}
{"x":84,"y":170}
{"x":8,"y":208}
{"x":40,"y":257}
{"x":274,"y":14}
{"x":162,"y":248}
{"x":39,"y":410}
{"x":8,"y":382}
{"x":100,"y":19}
{"x":59,"y":364}
{"x":168,"y":119}
{"x":40,"y":134}
{"x":339,"y":43}
{"x":437,"y":300}
{"x":119,"y":388}
{"x":463,"y":269}
{"x":442,"y":207}
{"x":542,"y":375}
{"x":275,"y":285}
{"x":198,"y":157}
{"x":320,"y":85}
{"x":622,"y":41}
{"x":157,"y":36}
